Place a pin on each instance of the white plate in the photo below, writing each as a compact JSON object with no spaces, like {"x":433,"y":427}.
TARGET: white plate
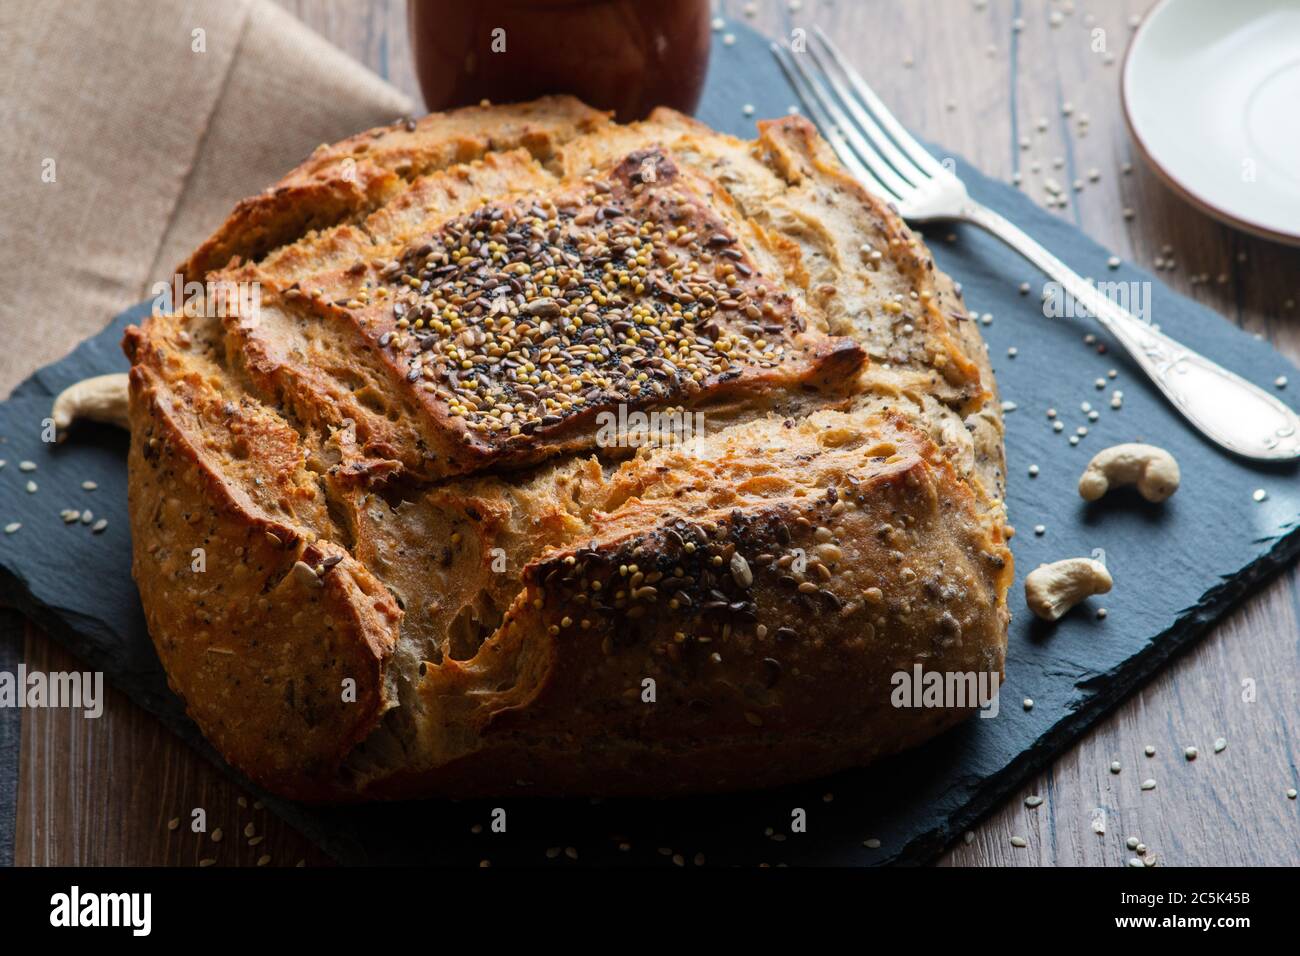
{"x":1211,"y":93}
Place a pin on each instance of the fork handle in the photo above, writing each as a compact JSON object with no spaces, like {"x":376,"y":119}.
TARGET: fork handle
{"x":1239,"y":416}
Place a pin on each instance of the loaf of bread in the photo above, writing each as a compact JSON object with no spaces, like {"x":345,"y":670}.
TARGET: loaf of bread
{"x":405,"y":524}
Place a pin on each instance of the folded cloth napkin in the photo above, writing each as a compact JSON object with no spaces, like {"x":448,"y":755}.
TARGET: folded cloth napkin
{"x":132,"y":129}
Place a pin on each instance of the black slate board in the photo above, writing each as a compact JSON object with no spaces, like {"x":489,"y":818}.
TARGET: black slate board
{"x":1192,"y":557}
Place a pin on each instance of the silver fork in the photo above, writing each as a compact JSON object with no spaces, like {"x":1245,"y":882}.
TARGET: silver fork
{"x":1239,"y":416}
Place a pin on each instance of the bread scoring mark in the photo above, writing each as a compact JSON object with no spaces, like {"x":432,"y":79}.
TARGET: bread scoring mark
{"x":527,"y":316}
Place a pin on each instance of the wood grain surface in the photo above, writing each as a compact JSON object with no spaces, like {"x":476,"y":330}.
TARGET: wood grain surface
{"x":980,"y":77}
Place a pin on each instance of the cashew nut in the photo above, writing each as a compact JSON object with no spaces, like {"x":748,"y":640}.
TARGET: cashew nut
{"x":1152,"y":469}
{"x":1052,"y":589}
{"x":99,"y":399}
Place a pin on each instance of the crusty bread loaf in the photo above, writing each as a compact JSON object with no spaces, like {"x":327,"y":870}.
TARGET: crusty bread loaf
{"x":385,"y":551}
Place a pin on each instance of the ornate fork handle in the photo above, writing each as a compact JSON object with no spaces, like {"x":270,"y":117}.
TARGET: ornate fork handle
{"x":1241,"y":417}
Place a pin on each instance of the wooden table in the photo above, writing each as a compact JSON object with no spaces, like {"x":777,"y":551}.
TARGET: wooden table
{"x":978,"y":76}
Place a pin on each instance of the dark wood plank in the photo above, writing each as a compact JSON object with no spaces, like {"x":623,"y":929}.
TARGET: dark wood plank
{"x":959,"y":73}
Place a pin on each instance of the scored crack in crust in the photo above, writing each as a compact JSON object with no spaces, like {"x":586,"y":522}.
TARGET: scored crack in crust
{"x":383,"y":552}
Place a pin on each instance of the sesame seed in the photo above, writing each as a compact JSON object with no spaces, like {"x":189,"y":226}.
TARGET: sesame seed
{"x":1148,"y":784}
{"x":99,"y":526}
{"x":89,"y":485}
{"x":1033,"y":802}
{"x":1149,"y":750}
{"x":31,"y":487}
{"x":1115,"y":766}
{"x":871,"y":844}
{"x":12,"y":527}
{"x":1190,"y":753}
{"x":27,"y":466}
{"x":1028,"y":703}
{"x":1260,"y":494}
{"x":1033,"y":471}
{"x":1019,"y":841}
{"x":1220,"y":744}
{"x":1040,"y":530}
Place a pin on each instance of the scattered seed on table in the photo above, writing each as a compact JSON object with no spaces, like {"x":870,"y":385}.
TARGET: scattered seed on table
{"x":1019,"y":841}
{"x":1141,"y":849}
{"x":99,"y":526}
{"x":1034,"y":801}
{"x":1280,"y":381}
{"x":1149,"y":860}
{"x":1024,"y":288}
{"x":173,"y":823}
{"x":1148,"y":784}
{"x":1115,"y":766}
{"x":27,"y":466}
{"x":87,"y":516}
{"x":1260,"y":494}
{"x":1009,"y":406}
{"x":1291,"y":793}
{"x":1220,"y":745}
{"x":968,"y":837}
{"x":1033,"y":471}
{"x":31,"y":487}
{"x":70,"y":515}
{"x":1150,"y":751}
{"x":264,"y":859}
{"x":1013,"y":352}
{"x":1051,"y":413}
{"x":1190,"y":753}
{"x":207,"y":861}
{"x":871,"y":844}
{"x":13,"y":526}
{"x":256,"y":840}
{"x":1131,"y":843}
{"x":1074,"y":439}
{"x":1029,"y":703}
{"x":1099,"y":384}
{"x":217,"y":835}
{"x":249,"y":830}
{"x":89,"y":485}
{"x":1101,"y":613}
{"x":1134,"y":861}
{"x":1040,"y":529}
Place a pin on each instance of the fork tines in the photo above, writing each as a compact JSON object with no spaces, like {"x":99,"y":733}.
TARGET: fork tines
{"x":864,"y":134}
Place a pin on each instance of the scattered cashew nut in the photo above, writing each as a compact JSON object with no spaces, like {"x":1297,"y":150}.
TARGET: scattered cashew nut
{"x":1152,"y":469}
{"x":99,"y":399}
{"x":1052,"y":589}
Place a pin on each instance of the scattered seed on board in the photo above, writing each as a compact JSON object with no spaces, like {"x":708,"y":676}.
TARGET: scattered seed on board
{"x":1148,"y":784}
{"x":1058,"y":426}
{"x":1034,"y":801}
{"x":1149,"y":751}
{"x":1220,"y":745}
{"x":27,"y":466}
{"x":12,"y":527}
{"x":1280,"y":381}
{"x":968,"y":837}
{"x":1040,"y":529}
{"x":217,"y":834}
{"x":1141,"y":849}
{"x":1190,"y":753}
{"x":89,"y":485}
{"x":1149,"y":860}
{"x":1134,"y":861}
{"x":87,"y":516}
{"x":1131,"y":843}
{"x":99,"y":526}
{"x":1101,"y":613}
{"x":1013,"y":352}
{"x":31,"y":487}
{"x":1033,"y":471}
{"x":1115,"y":766}
{"x":1029,"y":703}
{"x":1291,"y":793}
{"x":264,"y":859}
{"x":207,"y":861}
{"x":173,"y":823}
{"x":1024,"y":288}
{"x":1019,"y":841}
{"x":1260,"y":494}
{"x":871,"y":844}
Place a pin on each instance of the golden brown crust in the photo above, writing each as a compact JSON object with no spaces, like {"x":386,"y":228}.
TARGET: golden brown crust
{"x":425,"y":567}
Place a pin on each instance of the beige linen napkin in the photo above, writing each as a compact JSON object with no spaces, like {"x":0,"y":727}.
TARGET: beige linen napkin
{"x":130,"y":131}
